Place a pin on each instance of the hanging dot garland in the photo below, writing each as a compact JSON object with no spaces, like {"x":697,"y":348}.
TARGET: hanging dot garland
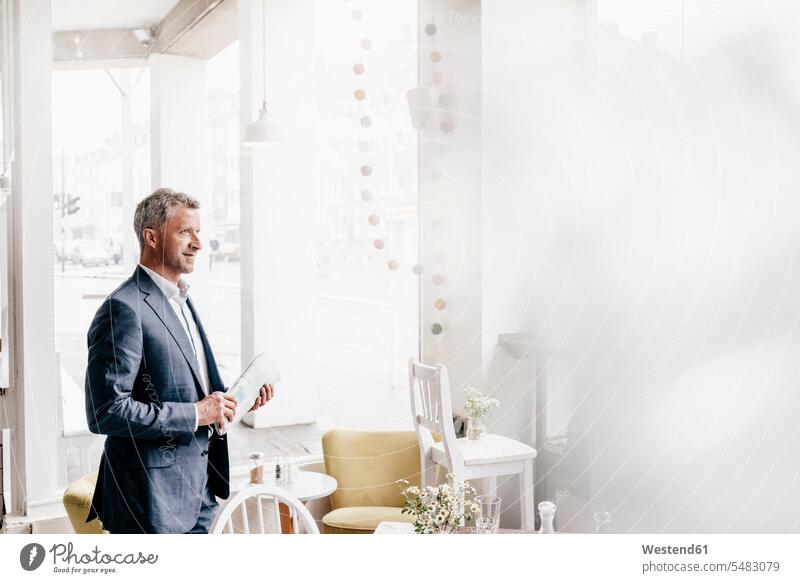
{"x":445,"y":126}
{"x":366,"y":171}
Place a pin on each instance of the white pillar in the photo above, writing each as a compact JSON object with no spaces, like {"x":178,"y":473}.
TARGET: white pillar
{"x":179,"y":144}
{"x":278,"y":207}
{"x":36,"y":484}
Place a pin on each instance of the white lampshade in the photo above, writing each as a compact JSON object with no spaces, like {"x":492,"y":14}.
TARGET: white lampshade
{"x":263,"y":131}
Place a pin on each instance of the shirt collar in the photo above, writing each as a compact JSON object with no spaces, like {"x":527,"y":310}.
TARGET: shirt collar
{"x":177,"y":292}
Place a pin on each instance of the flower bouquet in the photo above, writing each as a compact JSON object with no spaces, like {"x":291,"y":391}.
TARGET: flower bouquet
{"x":477,"y":406}
{"x":439,"y":509}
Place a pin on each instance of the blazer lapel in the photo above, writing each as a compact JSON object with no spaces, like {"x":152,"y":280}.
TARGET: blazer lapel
{"x":214,"y":378}
{"x":159,"y":303}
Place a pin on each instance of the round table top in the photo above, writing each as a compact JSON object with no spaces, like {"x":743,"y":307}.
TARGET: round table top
{"x":306,"y":485}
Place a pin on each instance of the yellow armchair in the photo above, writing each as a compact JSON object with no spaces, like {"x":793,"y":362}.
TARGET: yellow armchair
{"x":367,"y":465}
{"x":77,"y":501}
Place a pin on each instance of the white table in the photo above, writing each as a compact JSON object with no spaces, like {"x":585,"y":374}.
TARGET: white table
{"x":394,"y":528}
{"x":408,"y":528}
{"x":306,"y":485}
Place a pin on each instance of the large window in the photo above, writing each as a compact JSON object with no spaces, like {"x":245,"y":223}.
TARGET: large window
{"x":119,"y":133}
{"x":101,"y":161}
{"x":221,"y":307}
{"x":100,"y":133}
{"x":102,"y":166}
{"x":366,"y":292}
{"x":336,"y":223}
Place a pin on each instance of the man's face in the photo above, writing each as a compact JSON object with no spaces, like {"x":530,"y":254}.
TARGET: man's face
{"x":179,"y":240}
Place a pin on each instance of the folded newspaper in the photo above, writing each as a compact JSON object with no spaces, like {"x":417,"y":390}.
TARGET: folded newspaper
{"x":260,"y":371}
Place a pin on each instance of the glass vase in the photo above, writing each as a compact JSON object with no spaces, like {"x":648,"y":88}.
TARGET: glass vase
{"x":475,"y":428}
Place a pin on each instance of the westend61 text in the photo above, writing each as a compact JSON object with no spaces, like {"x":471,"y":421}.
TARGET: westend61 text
{"x":65,"y":554}
{"x":671,"y":550}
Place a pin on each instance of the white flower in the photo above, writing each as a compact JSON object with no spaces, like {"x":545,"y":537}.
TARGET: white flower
{"x":477,"y":405}
{"x":439,"y":508}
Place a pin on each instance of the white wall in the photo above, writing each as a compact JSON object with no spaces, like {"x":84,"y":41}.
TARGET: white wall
{"x":640,"y":222}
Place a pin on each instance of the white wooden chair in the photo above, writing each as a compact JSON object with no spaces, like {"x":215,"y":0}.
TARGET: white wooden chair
{"x":259,"y":499}
{"x":488,"y":458}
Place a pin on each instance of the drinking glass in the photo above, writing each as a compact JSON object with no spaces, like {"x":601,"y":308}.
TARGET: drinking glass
{"x":488,"y":518}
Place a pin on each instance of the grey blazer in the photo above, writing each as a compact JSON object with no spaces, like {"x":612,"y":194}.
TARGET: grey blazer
{"x":142,"y":381}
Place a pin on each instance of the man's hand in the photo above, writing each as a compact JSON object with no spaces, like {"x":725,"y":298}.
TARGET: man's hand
{"x":266,"y":393}
{"x":218,"y":407}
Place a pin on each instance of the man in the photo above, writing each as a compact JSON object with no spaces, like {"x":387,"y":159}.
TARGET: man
{"x":153,"y":387}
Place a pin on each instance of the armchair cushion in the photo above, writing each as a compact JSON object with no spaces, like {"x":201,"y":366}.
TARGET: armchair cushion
{"x":361,"y":519}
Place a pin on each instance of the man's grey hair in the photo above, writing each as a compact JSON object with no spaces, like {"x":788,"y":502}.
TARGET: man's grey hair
{"x":156,"y":209}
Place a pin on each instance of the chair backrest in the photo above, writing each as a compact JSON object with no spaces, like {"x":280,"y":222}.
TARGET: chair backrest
{"x":432,"y":409}
{"x":249,"y":505}
{"x":367,"y":465}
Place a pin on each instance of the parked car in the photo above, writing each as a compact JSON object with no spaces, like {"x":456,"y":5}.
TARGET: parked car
{"x":89,"y":253}
{"x":225,"y":251}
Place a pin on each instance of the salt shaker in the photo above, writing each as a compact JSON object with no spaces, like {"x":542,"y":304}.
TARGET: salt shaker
{"x":256,"y":468}
{"x":547,"y":510}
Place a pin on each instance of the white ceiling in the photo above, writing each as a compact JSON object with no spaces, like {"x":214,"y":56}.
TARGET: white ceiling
{"x":99,"y":14}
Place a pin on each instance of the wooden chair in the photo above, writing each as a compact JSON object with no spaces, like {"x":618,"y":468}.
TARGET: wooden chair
{"x":488,"y":458}
{"x":260,"y":499}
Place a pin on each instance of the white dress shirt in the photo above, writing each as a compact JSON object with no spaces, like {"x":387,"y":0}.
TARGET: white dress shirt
{"x":177,"y":296}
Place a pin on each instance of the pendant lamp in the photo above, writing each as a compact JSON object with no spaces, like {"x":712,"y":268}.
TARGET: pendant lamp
{"x":263,"y":131}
